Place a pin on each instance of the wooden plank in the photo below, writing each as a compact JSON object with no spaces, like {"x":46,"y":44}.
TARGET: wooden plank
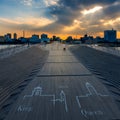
{"x":64,"y":93}
{"x":62,"y":59}
{"x":63,"y":69}
{"x":60,"y":98}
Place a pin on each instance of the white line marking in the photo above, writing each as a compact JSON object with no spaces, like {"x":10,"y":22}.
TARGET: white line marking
{"x":37,"y":91}
{"x":77,"y":98}
{"x":62,"y":100}
{"x":91,"y":92}
{"x":24,"y":109}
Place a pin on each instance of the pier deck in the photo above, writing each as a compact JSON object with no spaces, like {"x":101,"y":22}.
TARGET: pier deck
{"x":64,"y":90}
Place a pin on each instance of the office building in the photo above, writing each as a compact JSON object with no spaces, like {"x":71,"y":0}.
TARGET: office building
{"x":2,"y":39}
{"x":34,"y":39}
{"x":9,"y":35}
{"x":110,"y":35}
{"x":15,"y":36}
{"x":44,"y":38}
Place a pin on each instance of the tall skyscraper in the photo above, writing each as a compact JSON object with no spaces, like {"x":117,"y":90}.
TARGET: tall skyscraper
{"x":110,"y":35}
{"x":15,"y":36}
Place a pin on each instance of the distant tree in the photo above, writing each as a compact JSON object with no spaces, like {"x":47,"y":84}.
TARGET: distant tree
{"x":69,"y":39}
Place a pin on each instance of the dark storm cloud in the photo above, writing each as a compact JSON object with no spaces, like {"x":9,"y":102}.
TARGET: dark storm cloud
{"x":68,"y":10}
{"x":75,"y":4}
{"x":64,"y":14}
{"x":112,"y":11}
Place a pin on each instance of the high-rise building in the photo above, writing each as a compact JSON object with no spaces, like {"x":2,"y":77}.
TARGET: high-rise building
{"x":15,"y":36}
{"x":9,"y":35}
{"x":110,"y":35}
{"x":44,"y":36}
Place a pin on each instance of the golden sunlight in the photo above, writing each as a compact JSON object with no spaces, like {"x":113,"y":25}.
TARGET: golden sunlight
{"x":93,"y":10}
{"x":112,"y":22}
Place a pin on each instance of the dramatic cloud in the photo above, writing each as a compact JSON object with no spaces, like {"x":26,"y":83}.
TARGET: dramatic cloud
{"x":66,"y":11}
{"x":61,"y":16}
{"x":28,"y":23}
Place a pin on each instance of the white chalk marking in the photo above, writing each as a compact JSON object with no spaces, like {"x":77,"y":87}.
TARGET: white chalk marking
{"x":90,"y":113}
{"x":37,"y":91}
{"x":91,"y":92}
{"x":62,"y":100}
{"x":24,"y":109}
{"x":84,"y":113}
{"x":77,"y":98}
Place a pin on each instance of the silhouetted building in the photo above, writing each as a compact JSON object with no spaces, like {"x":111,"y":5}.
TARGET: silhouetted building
{"x":110,"y":35}
{"x":2,"y":39}
{"x":98,"y":39}
{"x":22,"y":40}
{"x":87,"y":39}
{"x":15,"y":36}
{"x":44,"y":38}
{"x":9,"y":35}
{"x":34,"y":39}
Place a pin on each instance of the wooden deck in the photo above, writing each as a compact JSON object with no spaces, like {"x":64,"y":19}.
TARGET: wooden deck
{"x":64,"y":90}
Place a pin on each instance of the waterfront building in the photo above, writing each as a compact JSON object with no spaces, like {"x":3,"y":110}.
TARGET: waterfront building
{"x":98,"y":39}
{"x":110,"y":35}
{"x":22,"y":40}
{"x":2,"y":39}
{"x":9,"y":35}
{"x":15,"y":36}
{"x":44,"y":38}
{"x":34,"y":39}
{"x":87,"y":39}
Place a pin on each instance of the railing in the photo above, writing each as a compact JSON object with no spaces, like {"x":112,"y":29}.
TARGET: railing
{"x":4,"y":53}
{"x":111,"y":50}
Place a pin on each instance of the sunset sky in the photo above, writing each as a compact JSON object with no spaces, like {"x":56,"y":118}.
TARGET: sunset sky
{"x":59,"y":17}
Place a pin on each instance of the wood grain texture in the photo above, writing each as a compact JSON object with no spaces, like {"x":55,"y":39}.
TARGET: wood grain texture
{"x":60,"y":97}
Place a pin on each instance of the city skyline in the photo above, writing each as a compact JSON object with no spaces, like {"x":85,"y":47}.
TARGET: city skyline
{"x":59,"y":17}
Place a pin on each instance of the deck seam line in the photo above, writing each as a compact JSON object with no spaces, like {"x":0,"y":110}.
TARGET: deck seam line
{"x":64,"y":75}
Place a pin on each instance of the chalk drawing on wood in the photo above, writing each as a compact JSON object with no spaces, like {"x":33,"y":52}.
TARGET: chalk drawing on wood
{"x":91,"y":92}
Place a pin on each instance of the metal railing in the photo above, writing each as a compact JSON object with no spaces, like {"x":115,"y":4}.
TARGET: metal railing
{"x":8,"y":51}
{"x":111,"y":50}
